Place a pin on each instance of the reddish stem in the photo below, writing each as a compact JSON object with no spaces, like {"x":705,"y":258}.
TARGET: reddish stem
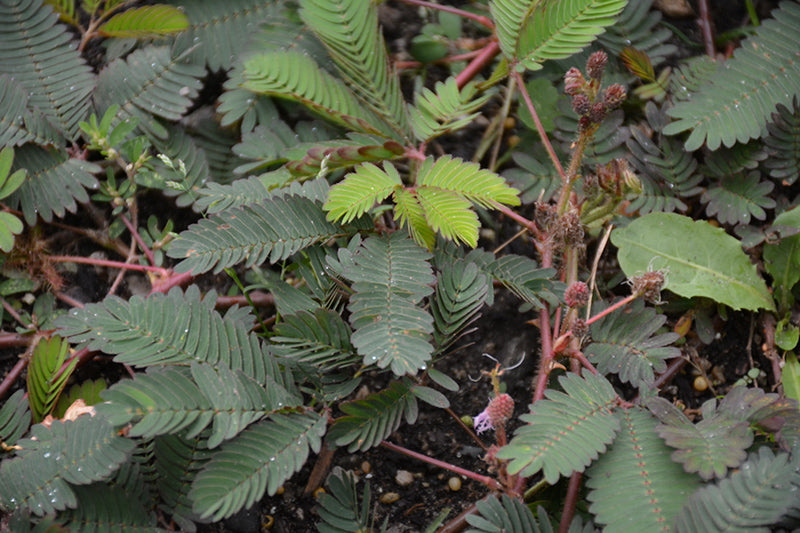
{"x":476,"y":65}
{"x":12,"y":376}
{"x":13,"y":340}
{"x":622,"y":303}
{"x":480,"y":19}
{"x":108,"y":263}
{"x":706,"y":28}
{"x":139,"y":240}
{"x":539,"y":127}
{"x":570,"y":502}
{"x":486,"y":480}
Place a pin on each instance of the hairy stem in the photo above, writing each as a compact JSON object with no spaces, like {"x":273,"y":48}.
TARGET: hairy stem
{"x":480,"y":19}
{"x":476,"y":65}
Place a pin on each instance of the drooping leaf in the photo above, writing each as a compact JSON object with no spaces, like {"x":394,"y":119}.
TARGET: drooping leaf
{"x":67,"y":453}
{"x":522,"y":276}
{"x":48,"y":372}
{"x":102,"y":506}
{"x":321,"y":338}
{"x":341,"y":511}
{"x":738,"y":101}
{"x":565,"y":431}
{"x":164,"y":329}
{"x":783,"y":143}
{"x":752,"y":499}
{"x":43,"y":58}
{"x":297,"y":77}
{"x":781,"y":259}
{"x":699,"y":259}
{"x":461,"y":292}
{"x":145,"y":22}
{"x":656,"y":488}
{"x":737,"y":197}
{"x":625,"y":343}
{"x":18,"y":123}
{"x":369,"y":421}
{"x":258,"y":460}
{"x":349,"y":29}
{"x":177,"y":461}
{"x":709,"y":447}
{"x":15,"y":417}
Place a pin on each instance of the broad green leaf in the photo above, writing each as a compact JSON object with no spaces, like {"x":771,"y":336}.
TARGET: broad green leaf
{"x":697,"y":258}
{"x":145,"y":22}
{"x":781,"y":259}
{"x":790,"y":377}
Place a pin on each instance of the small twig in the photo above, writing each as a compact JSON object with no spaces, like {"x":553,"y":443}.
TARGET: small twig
{"x":613,"y":307}
{"x":595,"y":263}
{"x":480,"y":19}
{"x":704,"y":22}
{"x":486,"y":480}
{"x":135,"y":233}
{"x":69,"y":300}
{"x":13,"y":312}
{"x":468,"y":429}
{"x":108,"y":263}
{"x":539,"y":127}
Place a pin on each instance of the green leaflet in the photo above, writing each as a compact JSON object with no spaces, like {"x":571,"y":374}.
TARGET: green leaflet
{"x":781,"y":259}
{"x":697,"y":258}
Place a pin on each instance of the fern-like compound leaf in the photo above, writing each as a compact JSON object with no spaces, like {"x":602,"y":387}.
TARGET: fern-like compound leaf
{"x":145,"y":22}
{"x":48,"y":372}
{"x":445,"y":110}
{"x":18,"y":124}
{"x":522,"y":276}
{"x":219,"y":32}
{"x":168,"y":329}
{"x":55,"y":183}
{"x":171,"y":399}
{"x":656,"y":488}
{"x":461,"y":292}
{"x":783,"y":143}
{"x":40,"y":55}
{"x":271,"y":230}
{"x":565,"y":431}
{"x":177,"y":461}
{"x":481,"y":186}
{"x":349,"y":29}
{"x":507,"y":514}
{"x":738,"y":197}
{"x":409,"y":213}
{"x":341,"y":511}
{"x":624,"y":343}
{"x":390,"y":276}
{"x":638,"y":27}
{"x":752,"y":499}
{"x":449,"y":214}
{"x":297,"y":77}
{"x":360,"y":190}
{"x":320,"y":338}
{"x":737,"y":103}
{"x":258,"y":460}
{"x":551,"y":30}
{"x":15,"y":417}
{"x":369,"y":421}
{"x":103,"y":506}
{"x":149,"y":83}
{"x":67,"y":453}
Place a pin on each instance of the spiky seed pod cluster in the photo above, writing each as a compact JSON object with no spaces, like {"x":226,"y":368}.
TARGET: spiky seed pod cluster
{"x":648,"y":285}
{"x":589,"y":105}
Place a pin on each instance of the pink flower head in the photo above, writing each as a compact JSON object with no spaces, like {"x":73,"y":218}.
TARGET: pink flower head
{"x":496,"y":414}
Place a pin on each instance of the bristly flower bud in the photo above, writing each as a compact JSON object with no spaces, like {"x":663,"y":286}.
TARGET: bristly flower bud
{"x":584,"y":124}
{"x":577,"y":294}
{"x":581,"y":104}
{"x":580,"y":329}
{"x":496,"y":414}
{"x":648,"y":285}
{"x":613,"y":96}
{"x":597,"y":113}
{"x":574,"y":82}
{"x":596,"y":65}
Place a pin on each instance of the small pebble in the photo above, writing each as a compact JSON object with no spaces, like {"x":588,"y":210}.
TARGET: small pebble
{"x":366,"y":467}
{"x":404,"y":478}
{"x":390,"y":497}
{"x":700,"y":384}
{"x":454,"y":483}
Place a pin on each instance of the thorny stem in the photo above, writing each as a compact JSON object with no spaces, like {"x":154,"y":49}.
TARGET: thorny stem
{"x":480,"y":19}
{"x":486,"y":480}
{"x":539,"y":127}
